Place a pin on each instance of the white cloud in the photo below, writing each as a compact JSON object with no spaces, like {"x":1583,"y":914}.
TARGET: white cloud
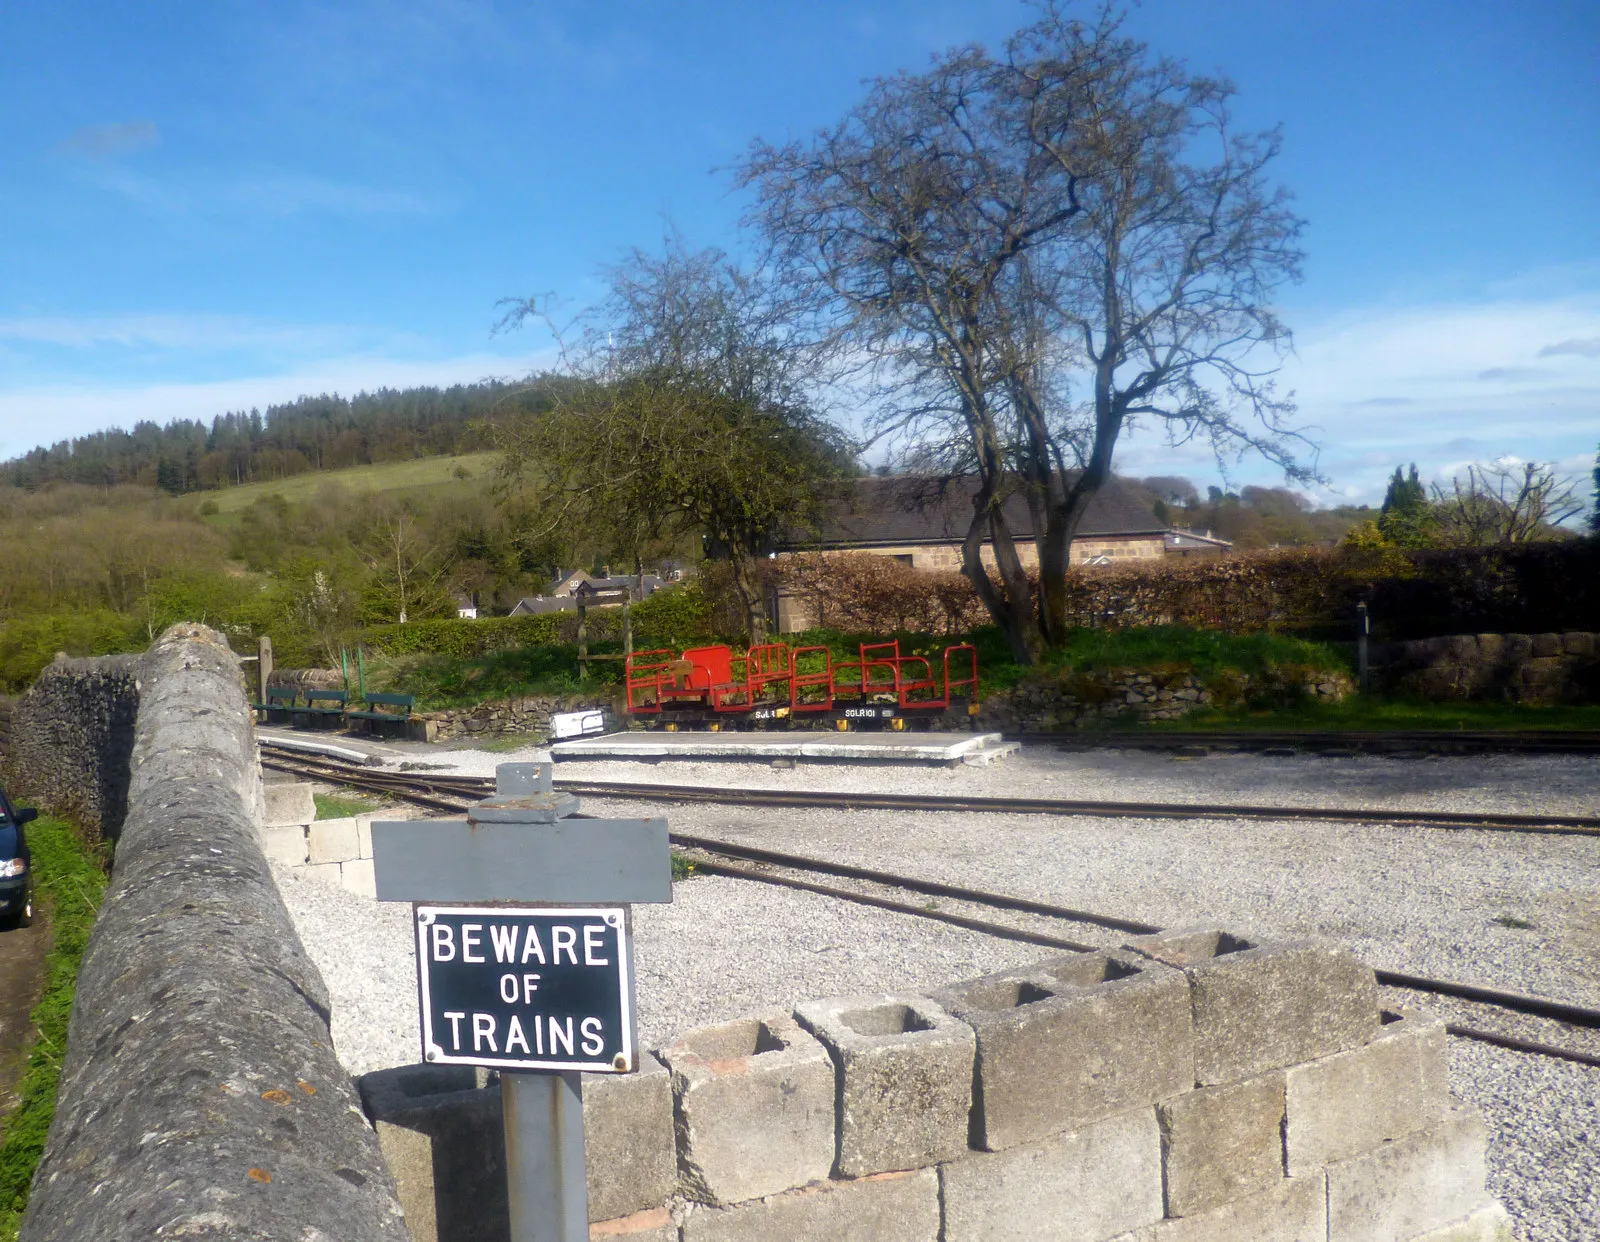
{"x":195,"y":333}
{"x":1440,"y":385}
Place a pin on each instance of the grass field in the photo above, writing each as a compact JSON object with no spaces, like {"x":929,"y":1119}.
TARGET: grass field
{"x":389,"y":476}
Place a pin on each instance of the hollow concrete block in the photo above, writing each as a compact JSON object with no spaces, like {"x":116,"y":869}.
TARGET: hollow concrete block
{"x":886,"y":1207}
{"x":1092,"y":1183}
{"x":903,"y":1077}
{"x":1342,"y":1105}
{"x":444,"y":1141}
{"x":1260,"y":1006}
{"x":333,"y":840}
{"x":328,"y":873}
{"x":628,"y":1140}
{"x":1071,"y":1040}
{"x":1422,"y":1182}
{"x":1221,"y":1143}
{"x":1294,"y":1209}
{"x":356,"y":875}
{"x":285,"y":845}
{"x":1490,"y":1223}
{"x":754,"y":1108}
{"x":287,"y":803}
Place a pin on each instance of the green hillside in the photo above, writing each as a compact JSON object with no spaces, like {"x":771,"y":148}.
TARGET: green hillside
{"x":390,"y":476}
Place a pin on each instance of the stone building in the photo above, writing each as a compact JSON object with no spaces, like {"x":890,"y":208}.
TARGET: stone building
{"x":922,"y":522}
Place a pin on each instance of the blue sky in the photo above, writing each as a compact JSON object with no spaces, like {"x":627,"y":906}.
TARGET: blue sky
{"x":210,"y":206}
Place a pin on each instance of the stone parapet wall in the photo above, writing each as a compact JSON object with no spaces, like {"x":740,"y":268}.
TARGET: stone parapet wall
{"x":1069,"y":699}
{"x":200,"y":1096}
{"x":1535,"y":669}
{"x":1195,"y":1086}
{"x":525,"y":714}
{"x":71,"y":736}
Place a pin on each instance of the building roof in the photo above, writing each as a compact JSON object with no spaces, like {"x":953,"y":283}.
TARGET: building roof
{"x":912,"y":510}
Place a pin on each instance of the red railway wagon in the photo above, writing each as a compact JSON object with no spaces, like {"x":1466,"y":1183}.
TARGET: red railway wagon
{"x":772,"y":682}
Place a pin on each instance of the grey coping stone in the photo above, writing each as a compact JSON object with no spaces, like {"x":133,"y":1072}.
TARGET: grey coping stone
{"x":903,"y":1069}
{"x":1295,"y":1209}
{"x":1418,"y":1183}
{"x":1082,"y":1186}
{"x":1342,"y":1105}
{"x":1221,"y":1143}
{"x":887,"y":1207}
{"x":1262,"y":1005}
{"x":1070,"y":1040}
{"x":285,"y":845}
{"x":200,"y":1096}
{"x":753,"y":1106}
{"x":628,"y":1139}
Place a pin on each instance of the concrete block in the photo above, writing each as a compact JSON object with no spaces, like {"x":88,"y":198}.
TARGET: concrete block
{"x":1093,"y":1183}
{"x":1490,"y":1223}
{"x":444,"y":1141}
{"x":333,"y":840}
{"x":288,"y":803}
{"x":1491,"y":646}
{"x":1221,"y":1143}
{"x":1545,"y":645}
{"x":1072,"y":1040}
{"x":655,"y":1225}
{"x":328,"y":873}
{"x":357,"y":876}
{"x":1578,"y":643}
{"x":1415,"y":1184}
{"x":628,"y":1140}
{"x":1293,"y":1210}
{"x":364,"y":836}
{"x":285,"y":845}
{"x":886,"y":1207}
{"x":1261,"y":1006}
{"x":1342,"y":1105}
{"x":753,"y":1107}
{"x":903,"y":1076}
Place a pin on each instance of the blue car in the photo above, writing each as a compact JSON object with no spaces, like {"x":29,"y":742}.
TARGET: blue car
{"x":16,"y":873}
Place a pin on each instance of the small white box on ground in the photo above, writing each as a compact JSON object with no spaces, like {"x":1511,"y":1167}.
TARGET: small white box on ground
{"x":577,"y":724}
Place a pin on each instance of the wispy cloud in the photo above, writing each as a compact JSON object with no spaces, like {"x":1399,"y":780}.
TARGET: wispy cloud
{"x":1438,"y":384}
{"x":192,"y":333}
{"x":106,"y":142}
{"x":1586,"y":348}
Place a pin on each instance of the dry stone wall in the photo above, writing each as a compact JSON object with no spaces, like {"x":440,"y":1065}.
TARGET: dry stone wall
{"x":71,"y":738}
{"x":200,"y":1096}
{"x":1537,"y":669}
{"x":1195,"y":1086}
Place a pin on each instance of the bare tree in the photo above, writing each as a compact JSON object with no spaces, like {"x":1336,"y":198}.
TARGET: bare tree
{"x":1503,"y":503}
{"x":989,"y":236}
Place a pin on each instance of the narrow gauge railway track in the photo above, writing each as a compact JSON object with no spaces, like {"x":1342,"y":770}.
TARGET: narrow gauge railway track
{"x":716,"y":857}
{"x":1403,"y":741}
{"x":479,"y":787}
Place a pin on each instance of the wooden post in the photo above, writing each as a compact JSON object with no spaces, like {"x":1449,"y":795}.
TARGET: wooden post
{"x":263,"y":666}
{"x":627,"y":627}
{"x":583,"y":641}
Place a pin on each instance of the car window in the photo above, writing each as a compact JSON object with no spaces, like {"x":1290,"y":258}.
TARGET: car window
{"x":10,"y":841}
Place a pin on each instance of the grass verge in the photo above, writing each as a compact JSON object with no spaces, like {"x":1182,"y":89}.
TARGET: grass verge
{"x":69,"y":880}
{"x":338,"y":806}
{"x":1365,"y":713}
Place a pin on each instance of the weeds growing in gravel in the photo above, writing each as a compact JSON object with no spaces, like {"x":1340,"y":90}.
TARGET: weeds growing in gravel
{"x":338,"y":806}
{"x":69,"y":880}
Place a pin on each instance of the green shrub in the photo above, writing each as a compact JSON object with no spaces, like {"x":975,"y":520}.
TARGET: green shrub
{"x":27,"y":644}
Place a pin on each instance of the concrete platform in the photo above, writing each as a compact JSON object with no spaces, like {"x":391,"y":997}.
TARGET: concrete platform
{"x":948,"y":748}
{"x":336,"y":746}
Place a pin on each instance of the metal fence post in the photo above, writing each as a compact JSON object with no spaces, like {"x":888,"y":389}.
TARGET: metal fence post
{"x":1363,"y":625}
{"x":545,"y":1171}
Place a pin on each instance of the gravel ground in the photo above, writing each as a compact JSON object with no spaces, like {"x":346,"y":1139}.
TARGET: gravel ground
{"x":1443,"y":903}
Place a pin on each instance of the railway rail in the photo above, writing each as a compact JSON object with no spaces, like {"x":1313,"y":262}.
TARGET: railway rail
{"x":717,"y":857}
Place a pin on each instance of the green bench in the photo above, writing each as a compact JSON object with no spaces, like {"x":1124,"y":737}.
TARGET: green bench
{"x":399,"y":712}
{"x":279,"y":704}
{"x":313,"y":710}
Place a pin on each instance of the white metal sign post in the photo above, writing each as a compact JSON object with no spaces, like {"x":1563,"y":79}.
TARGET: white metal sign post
{"x":525,"y":965}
